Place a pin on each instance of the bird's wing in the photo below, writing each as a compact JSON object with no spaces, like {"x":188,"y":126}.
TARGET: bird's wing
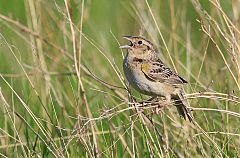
{"x":158,"y":72}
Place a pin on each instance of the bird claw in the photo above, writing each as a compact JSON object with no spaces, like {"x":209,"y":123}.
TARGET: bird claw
{"x":160,"y":105}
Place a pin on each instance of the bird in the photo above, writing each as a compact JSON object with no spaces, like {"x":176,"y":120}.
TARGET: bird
{"x":146,"y":73}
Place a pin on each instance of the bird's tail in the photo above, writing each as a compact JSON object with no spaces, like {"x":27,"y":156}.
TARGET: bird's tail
{"x":181,"y":104}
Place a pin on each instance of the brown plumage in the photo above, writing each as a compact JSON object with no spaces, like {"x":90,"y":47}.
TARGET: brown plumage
{"x":149,"y":75}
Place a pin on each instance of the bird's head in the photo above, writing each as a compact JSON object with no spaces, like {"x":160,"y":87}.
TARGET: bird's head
{"x":138,"y":45}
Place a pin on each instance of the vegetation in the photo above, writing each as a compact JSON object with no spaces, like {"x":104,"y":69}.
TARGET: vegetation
{"x":63,"y":93}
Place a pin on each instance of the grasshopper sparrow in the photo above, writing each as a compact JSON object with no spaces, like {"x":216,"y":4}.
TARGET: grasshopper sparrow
{"x":150,"y":76}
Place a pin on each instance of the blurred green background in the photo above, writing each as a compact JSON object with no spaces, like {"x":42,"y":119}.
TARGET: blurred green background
{"x":49,"y":111}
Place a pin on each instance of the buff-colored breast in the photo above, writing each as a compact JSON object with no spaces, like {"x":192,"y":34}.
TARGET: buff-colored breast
{"x":141,"y":83}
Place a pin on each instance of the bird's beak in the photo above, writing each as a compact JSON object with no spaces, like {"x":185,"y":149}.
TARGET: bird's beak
{"x":129,"y":38}
{"x":126,"y":46}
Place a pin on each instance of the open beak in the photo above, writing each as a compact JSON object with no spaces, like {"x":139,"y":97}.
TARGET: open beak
{"x":129,"y":38}
{"x":126,"y":46}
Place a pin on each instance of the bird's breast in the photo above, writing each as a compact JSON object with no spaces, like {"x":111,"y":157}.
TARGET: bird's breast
{"x":138,"y":80}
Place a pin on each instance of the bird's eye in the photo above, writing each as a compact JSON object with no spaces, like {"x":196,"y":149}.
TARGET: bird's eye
{"x":139,"y":42}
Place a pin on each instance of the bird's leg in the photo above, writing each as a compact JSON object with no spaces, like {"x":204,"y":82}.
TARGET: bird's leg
{"x":168,"y":100}
{"x":163,"y":103}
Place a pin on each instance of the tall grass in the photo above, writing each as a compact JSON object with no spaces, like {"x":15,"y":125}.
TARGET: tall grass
{"x":63,"y":93}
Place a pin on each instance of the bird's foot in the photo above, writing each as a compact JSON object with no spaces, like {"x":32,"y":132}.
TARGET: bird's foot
{"x":159,"y":105}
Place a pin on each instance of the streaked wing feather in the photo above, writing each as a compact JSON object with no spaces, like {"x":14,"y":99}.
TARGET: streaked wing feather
{"x":158,"y":72}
